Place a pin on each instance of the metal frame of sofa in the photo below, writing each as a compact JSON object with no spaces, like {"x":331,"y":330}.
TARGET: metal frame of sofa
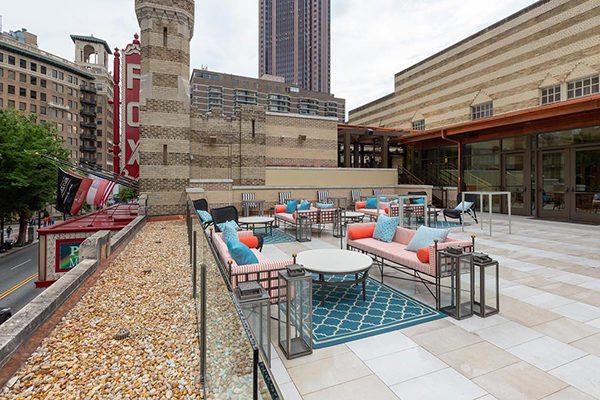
{"x":415,"y":275}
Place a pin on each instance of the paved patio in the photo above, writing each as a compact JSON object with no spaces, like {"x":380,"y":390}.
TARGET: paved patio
{"x":544,"y":344}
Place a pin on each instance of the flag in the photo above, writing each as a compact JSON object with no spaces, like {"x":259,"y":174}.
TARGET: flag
{"x":97,"y":190}
{"x":71,"y":192}
{"x":108,"y":192}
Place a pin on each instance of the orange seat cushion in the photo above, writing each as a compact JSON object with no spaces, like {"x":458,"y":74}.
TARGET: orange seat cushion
{"x":280,"y":209}
{"x":360,"y":204}
{"x":361,"y":233}
{"x":250,"y":241}
{"x":423,"y":255}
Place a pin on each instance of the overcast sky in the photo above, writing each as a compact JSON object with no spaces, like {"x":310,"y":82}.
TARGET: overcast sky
{"x":371,"y":39}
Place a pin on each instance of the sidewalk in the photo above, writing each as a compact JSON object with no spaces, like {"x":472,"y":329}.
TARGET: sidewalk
{"x":17,"y":249}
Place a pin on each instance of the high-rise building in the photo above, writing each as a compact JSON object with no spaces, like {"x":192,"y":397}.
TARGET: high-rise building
{"x":294,"y":42}
{"x":92,"y":53}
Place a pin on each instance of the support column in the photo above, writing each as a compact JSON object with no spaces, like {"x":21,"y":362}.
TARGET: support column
{"x":362,"y":155}
{"x":346,"y":150}
{"x":356,"y":163}
{"x":384,"y":152}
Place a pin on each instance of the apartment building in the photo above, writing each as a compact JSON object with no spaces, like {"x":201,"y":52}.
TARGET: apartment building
{"x":229,"y":92}
{"x":56,"y":90}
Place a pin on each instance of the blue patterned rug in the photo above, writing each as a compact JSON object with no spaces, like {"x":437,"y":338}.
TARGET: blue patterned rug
{"x":345,"y":316}
{"x":278,"y":236}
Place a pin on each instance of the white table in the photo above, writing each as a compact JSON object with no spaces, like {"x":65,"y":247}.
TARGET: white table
{"x":267,"y":222}
{"x":336,"y":262}
{"x":481,"y":196}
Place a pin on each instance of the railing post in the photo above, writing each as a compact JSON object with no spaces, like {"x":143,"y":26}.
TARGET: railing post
{"x":203,"y":323}
{"x":194,"y":290}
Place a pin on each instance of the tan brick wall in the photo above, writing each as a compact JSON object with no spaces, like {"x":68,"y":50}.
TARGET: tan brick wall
{"x":556,"y":41}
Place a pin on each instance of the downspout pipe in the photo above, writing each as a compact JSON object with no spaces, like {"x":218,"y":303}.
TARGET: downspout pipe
{"x":458,"y":143}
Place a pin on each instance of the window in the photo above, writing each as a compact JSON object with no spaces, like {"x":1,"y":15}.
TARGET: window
{"x":165,"y":32}
{"x":43,"y":83}
{"x":43,"y":70}
{"x":99,"y":86}
{"x":1,"y":57}
{"x":59,"y":127}
{"x":22,"y":106}
{"x":22,"y":92}
{"x":1,"y":102}
{"x":32,"y":108}
{"x":33,"y":94}
{"x":484,"y":110}
{"x":165,"y":154}
{"x":1,"y":72}
{"x":33,"y":67}
{"x":42,"y":110}
{"x":70,"y":78}
{"x":11,"y":104}
{"x":99,"y":132}
{"x":419,"y":125}
{"x":54,"y":73}
{"x":33,"y":80}
{"x":99,"y":145}
{"x":550,"y":94}
{"x":43,"y":96}
{"x":99,"y":122}
{"x":55,"y":99}
{"x":23,"y":78}
{"x":1,"y":87}
{"x":11,"y":75}
{"x":11,"y":61}
{"x":99,"y":109}
{"x":22,"y":63}
{"x":583,"y":87}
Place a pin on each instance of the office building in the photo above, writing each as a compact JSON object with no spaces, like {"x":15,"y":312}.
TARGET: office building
{"x":294,"y":42}
{"x":229,"y":92}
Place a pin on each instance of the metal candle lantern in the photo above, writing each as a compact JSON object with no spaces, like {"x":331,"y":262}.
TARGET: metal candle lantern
{"x":255,"y":304}
{"x":338,"y":224}
{"x":487,"y":298}
{"x":455,"y":291}
{"x":295,"y":311}
{"x":303,"y":228}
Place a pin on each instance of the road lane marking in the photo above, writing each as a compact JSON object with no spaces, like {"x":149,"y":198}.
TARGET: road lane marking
{"x":18,"y":285}
{"x":24,"y":262}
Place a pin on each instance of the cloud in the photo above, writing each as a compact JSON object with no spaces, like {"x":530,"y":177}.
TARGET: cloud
{"x":371,"y":40}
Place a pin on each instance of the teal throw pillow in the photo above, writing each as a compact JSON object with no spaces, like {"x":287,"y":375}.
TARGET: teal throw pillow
{"x":468,"y":205}
{"x":325,"y":205}
{"x":371,"y":203}
{"x":385,"y":228}
{"x":291,"y":206}
{"x":305,"y":205}
{"x":383,"y":198}
{"x":425,"y":236}
{"x":418,"y":201}
{"x":204,"y":216}
{"x":241,"y":253}
{"x":229,"y":232}
{"x":230,"y":222}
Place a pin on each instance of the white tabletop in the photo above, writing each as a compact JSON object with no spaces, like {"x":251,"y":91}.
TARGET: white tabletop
{"x":255,"y":220}
{"x":353,"y":214}
{"x":486,"y":193}
{"x":334,"y":261}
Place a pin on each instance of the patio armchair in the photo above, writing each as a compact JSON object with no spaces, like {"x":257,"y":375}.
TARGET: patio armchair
{"x":284,"y":197}
{"x":223,"y":214}
{"x":201,"y":204}
{"x":322,"y":196}
{"x":356,"y":197}
{"x":377,"y":192}
{"x":456,"y":213}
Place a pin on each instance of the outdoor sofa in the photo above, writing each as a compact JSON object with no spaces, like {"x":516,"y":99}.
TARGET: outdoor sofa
{"x":317,"y":216}
{"x":394,"y":255}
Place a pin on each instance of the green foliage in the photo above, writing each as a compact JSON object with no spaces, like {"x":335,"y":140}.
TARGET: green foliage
{"x":126,"y":194}
{"x":27,"y":180}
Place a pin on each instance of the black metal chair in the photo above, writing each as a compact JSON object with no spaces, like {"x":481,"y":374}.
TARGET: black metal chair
{"x":457,"y":213}
{"x":201,"y":204}
{"x":230,"y":213}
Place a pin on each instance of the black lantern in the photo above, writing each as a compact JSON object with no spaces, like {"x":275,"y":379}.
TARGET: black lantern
{"x":487,"y":296}
{"x":455,"y":288}
{"x":255,"y":304}
{"x":338,"y":223}
{"x":303,"y":228}
{"x":295,"y":311}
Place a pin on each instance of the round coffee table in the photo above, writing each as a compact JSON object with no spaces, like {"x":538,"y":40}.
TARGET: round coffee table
{"x":267,"y":222}
{"x":353,"y":216}
{"x":336,"y":262}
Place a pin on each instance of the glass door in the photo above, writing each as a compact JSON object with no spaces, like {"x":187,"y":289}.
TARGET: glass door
{"x":514,"y":180}
{"x":585,"y":190}
{"x":553,"y":185}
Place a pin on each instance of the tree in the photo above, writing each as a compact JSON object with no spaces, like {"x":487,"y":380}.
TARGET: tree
{"x":126,"y":194}
{"x":27,"y":180}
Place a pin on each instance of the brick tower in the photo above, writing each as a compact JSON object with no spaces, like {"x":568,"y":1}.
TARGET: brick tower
{"x":166,"y":28}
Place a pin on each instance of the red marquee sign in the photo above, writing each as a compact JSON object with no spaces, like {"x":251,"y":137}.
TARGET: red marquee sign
{"x":131,"y":108}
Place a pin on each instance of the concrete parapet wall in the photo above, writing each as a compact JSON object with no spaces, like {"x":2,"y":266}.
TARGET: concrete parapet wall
{"x":93,"y":251}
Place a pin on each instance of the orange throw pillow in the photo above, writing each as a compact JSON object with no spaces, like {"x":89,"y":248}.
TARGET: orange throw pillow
{"x":250,"y":241}
{"x":387,"y":210}
{"x":360,"y":233}
{"x":279,"y":209}
{"x":361,"y":204}
{"x":423,"y":255}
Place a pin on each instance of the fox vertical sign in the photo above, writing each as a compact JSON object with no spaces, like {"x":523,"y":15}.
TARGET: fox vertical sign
{"x":131,"y":108}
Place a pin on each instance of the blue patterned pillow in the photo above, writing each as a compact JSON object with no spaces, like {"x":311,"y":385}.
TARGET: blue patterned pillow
{"x":241,"y":253}
{"x":425,"y":236}
{"x":371,"y":203}
{"x":305,"y":205}
{"x":385,"y":228}
{"x":325,"y":205}
{"x":204,"y":216}
{"x":230,"y":222}
{"x":291,"y":206}
{"x":230,"y":233}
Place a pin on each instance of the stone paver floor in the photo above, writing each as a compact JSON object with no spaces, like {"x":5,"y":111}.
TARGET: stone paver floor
{"x":545,"y":343}
{"x":145,"y":290}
